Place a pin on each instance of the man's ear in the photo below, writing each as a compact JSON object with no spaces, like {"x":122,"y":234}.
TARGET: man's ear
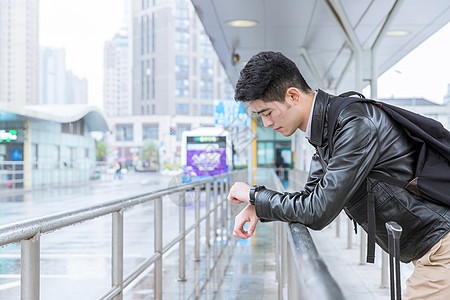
{"x":293,"y":96}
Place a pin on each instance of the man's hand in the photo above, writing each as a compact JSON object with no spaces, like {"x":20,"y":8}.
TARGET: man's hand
{"x":239,"y":193}
{"x":248,"y":214}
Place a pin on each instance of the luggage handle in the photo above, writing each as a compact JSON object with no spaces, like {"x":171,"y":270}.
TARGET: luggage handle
{"x":394,"y":232}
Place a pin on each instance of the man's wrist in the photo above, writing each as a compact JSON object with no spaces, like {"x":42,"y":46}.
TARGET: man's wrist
{"x":253,"y":191}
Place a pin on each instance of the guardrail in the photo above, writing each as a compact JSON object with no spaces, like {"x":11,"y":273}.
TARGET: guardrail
{"x":20,"y":174}
{"x":215,"y":189}
{"x":301,"y":272}
{"x":296,"y":182}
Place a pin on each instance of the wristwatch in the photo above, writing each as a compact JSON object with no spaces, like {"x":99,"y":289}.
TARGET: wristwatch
{"x":253,"y":190}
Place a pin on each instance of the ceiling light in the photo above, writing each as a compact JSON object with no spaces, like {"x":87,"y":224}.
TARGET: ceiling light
{"x":242,"y":23}
{"x":397,"y":33}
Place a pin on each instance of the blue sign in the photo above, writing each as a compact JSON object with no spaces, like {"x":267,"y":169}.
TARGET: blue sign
{"x":230,"y":113}
{"x":16,"y":155}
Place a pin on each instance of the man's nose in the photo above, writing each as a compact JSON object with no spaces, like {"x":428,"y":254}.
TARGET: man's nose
{"x":267,"y":122}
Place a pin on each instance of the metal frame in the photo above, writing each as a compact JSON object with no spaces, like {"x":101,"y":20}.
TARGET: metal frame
{"x":28,"y":234}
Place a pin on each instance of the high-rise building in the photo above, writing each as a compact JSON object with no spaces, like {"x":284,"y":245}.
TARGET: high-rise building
{"x":117,"y":76}
{"x":176,"y":75}
{"x":175,"y":78}
{"x":175,"y":68}
{"x":52,"y":75}
{"x":76,"y":89}
{"x":19,"y":51}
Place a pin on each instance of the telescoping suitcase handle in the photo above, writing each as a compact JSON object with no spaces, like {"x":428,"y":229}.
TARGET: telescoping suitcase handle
{"x":394,"y":232}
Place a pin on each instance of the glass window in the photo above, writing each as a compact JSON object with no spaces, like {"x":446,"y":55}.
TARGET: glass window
{"x":206,"y":89}
{"x":206,"y":110}
{"x":182,"y":66}
{"x":181,"y":41}
{"x":182,"y":108}
{"x":181,"y":87}
{"x":34,"y":155}
{"x":150,"y":131}
{"x":229,"y":91}
{"x":265,"y":153}
{"x":182,"y":128}
{"x":205,"y":44}
{"x":206,"y":68}
{"x":124,"y":132}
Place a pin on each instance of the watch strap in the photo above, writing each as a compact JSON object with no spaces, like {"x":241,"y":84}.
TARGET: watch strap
{"x":253,"y":190}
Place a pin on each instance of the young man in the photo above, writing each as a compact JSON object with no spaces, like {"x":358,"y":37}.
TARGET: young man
{"x":365,"y":140}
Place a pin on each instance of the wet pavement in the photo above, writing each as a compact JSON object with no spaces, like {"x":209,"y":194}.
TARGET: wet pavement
{"x":76,"y":260}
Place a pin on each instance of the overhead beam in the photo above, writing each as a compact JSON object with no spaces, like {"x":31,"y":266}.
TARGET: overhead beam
{"x":338,"y":12}
{"x":374,"y":50}
{"x":387,"y":24}
{"x":311,"y":66}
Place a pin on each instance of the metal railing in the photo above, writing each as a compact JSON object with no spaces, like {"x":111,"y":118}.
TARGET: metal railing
{"x":301,"y":272}
{"x":296,"y":182}
{"x":20,"y":174}
{"x":215,"y":189}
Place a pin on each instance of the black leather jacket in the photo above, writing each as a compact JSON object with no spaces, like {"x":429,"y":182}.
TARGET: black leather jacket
{"x":365,"y":139}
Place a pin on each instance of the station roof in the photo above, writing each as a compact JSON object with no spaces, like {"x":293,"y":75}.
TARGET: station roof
{"x":323,"y":37}
{"x":93,"y":116}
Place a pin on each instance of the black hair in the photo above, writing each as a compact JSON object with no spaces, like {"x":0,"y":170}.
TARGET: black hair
{"x":267,"y":76}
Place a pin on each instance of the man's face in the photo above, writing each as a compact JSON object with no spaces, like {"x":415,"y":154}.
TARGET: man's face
{"x":282,"y":117}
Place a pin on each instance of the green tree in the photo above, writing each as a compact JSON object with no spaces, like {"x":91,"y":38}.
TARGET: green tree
{"x":100,"y":150}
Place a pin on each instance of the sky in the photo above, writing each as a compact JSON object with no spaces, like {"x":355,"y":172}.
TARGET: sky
{"x":83,"y":26}
{"x":424,"y":72}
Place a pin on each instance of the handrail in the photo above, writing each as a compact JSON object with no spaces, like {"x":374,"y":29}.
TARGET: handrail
{"x":28,"y":232}
{"x":311,"y":270}
{"x":301,"y":272}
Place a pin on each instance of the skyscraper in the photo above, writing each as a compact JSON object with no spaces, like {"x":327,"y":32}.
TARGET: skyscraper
{"x":19,"y":51}
{"x":52,"y":76}
{"x":176,"y":76}
{"x":117,"y":77}
{"x":175,"y":69}
{"x":76,"y":89}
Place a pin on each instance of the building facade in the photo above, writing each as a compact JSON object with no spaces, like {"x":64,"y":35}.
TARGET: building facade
{"x":117,"y":76}
{"x":52,"y":75}
{"x":19,"y":51}
{"x":176,"y":76}
{"x":44,"y":145}
{"x":76,"y":89}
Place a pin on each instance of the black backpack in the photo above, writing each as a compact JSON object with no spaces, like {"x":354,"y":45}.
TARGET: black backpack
{"x":432,"y":176}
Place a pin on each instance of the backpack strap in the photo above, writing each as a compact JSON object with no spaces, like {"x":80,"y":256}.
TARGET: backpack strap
{"x":352,"y":93}
{"x":335,"y":109}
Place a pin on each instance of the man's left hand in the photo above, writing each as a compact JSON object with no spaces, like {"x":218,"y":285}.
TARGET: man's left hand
{"x":239,"y":193}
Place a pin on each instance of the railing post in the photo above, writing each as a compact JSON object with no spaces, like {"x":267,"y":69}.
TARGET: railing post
{"x":349,"y":234}
{"x":215,"y":248}
{"x":197,"y":223}
{"x":182,"y":244}
{"x":208,"y":227}
{"x":338,"y":225}
{"x":363,"y":247}
{"x":30,"y":268}
{"x":158,"y":248}
{"x":222,"y":224}
{"x":117,"y":252}
{"x":384,"y":270}
{"x":228,"y":210}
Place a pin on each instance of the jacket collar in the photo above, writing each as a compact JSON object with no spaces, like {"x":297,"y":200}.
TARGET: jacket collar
{"x":318,"y":135}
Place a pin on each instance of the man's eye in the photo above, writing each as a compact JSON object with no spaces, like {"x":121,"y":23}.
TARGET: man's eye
{"x":268,"y":114}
